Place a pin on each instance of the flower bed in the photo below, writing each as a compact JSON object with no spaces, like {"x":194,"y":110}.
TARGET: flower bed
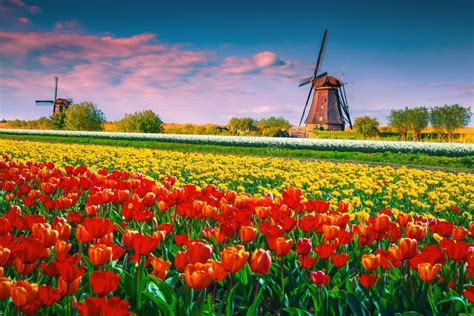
{"x":73,"y":240}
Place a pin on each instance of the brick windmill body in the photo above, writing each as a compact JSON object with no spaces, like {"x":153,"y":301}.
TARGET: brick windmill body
{"x":329,"y":109}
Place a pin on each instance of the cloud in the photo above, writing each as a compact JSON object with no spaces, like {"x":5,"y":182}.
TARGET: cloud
{"x":18,"y":5}
{"x":265,"y":62}
{"x":126,"y":74}
{"x":68,"y":26}
{"x":456,"y":89}
{"x":24,"y":20}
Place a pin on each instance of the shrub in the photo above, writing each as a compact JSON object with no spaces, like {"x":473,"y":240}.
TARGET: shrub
{"x":366,"y":126}
{"x":85,"y":116}
{"x":140,"y":122}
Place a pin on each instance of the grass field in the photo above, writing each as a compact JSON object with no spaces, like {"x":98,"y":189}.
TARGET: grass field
{"x":407,"y":159}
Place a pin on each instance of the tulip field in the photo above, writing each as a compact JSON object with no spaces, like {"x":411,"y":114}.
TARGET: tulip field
{"x":104,"y":230}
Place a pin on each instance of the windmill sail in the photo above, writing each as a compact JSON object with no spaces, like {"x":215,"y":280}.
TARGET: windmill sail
{"x":329,"y":109}
{"x":316,"y":70}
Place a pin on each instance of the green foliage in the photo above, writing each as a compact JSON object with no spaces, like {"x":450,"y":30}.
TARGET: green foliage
{"x":140,"y":122}
{"x":242,"y":125}
{"x":399,"y":120}
{"x":417,"y":119}
{"x":41,"y":123}
{"x":85,"y":116}
{"x":57,"y":120}
{"x":274,"y":126}
{"x":366,"y":126}
{"x":450,"y":117}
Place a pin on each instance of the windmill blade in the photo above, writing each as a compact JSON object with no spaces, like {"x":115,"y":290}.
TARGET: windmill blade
{"x":321,"y":53}
{"x":43,"y":102}
{"x":305,"y":81}
{"x":306,"y":105}
{"x":346,"y":106}
{"x":55,"y":88}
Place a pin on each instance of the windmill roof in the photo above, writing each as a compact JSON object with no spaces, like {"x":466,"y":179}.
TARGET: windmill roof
{"x":328,"y":81}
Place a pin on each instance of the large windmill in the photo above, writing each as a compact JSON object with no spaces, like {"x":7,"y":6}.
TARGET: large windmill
{"x":329,"y":109}
{"x":58,"y":104}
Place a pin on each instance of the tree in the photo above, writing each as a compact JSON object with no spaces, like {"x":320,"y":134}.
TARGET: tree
{"x":57,"y":120}
{"x":244,"y":124}
{"x":398,"y":119}
{"x":417,"y":119}
{"x":274,"y":126}
{"x":140,"y":122}
{"x":85,"y":116}
{"x":366,"y":126}
{"x":450,"y":117}
{"x":436,"y":120}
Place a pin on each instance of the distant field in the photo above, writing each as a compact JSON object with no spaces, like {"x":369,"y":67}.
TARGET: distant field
{"x":381,"y":158}
{"x":462,"y":135}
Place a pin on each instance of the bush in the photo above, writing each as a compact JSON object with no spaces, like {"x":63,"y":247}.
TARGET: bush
{"x":85,"y":116}
{"x":366,"y":126}
{"x":274,"y":126}
{"x":57,"y":120}
{"x":140,"y":122}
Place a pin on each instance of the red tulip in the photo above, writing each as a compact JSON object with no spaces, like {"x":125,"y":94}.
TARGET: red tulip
{"x":160,"y":267}
{"x":307,"y":262}
{"x":407,"y":248}
{"x":198,"y":275}
{"x":428,"y":272}
{"x":99,"y":227}
{"x":100,"y":254}
{"x":319,"y":278}
{"x":104,"y":282}
{"x":469,"y":294}
{"x":198,"y":252}
{"x":247,"y":233}
{"x":234,"y":258}
{"x":340,"y":259}
{"x":143,"y":245}
{"x":304,"y":246}
{"x":371,"y":261}
{"x":260,"y":261}
{"x":283,"y":246}
{"x":367,"y":280}
{"x":381,"y":223}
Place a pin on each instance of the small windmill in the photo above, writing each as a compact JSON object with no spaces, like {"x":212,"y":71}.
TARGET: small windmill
{"x":329,"y":109}
{"x":58,"y":104}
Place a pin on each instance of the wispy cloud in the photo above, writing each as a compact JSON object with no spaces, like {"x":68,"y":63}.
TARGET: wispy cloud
{"x":124,"y":74}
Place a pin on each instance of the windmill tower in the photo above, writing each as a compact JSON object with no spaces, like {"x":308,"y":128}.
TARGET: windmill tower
{"x":58,"y":104}
{"x":329,"y":109}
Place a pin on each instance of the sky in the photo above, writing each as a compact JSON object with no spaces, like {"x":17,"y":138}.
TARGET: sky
{"x":207,"y":61}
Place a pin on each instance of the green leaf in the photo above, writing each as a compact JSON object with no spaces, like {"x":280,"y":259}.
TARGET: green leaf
{"x":296,"y":311}
{"x":229,"y":309}
{"x":159,"y":303}
{"x":253,"y":309}
{"x":356,"y":305}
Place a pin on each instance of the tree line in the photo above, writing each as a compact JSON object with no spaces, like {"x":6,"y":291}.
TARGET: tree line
{"x":87,"y":116}
{"x":443,"y":119}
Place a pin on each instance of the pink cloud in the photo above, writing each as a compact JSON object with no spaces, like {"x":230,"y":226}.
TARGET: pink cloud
{"x":126,"y":74}
{"x":68,"y":26}
{"x":23,"y":20}
{"x":16,"y":6}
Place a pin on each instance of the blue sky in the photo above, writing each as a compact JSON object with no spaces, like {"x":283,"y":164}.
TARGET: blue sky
{"x":206,"y":61}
